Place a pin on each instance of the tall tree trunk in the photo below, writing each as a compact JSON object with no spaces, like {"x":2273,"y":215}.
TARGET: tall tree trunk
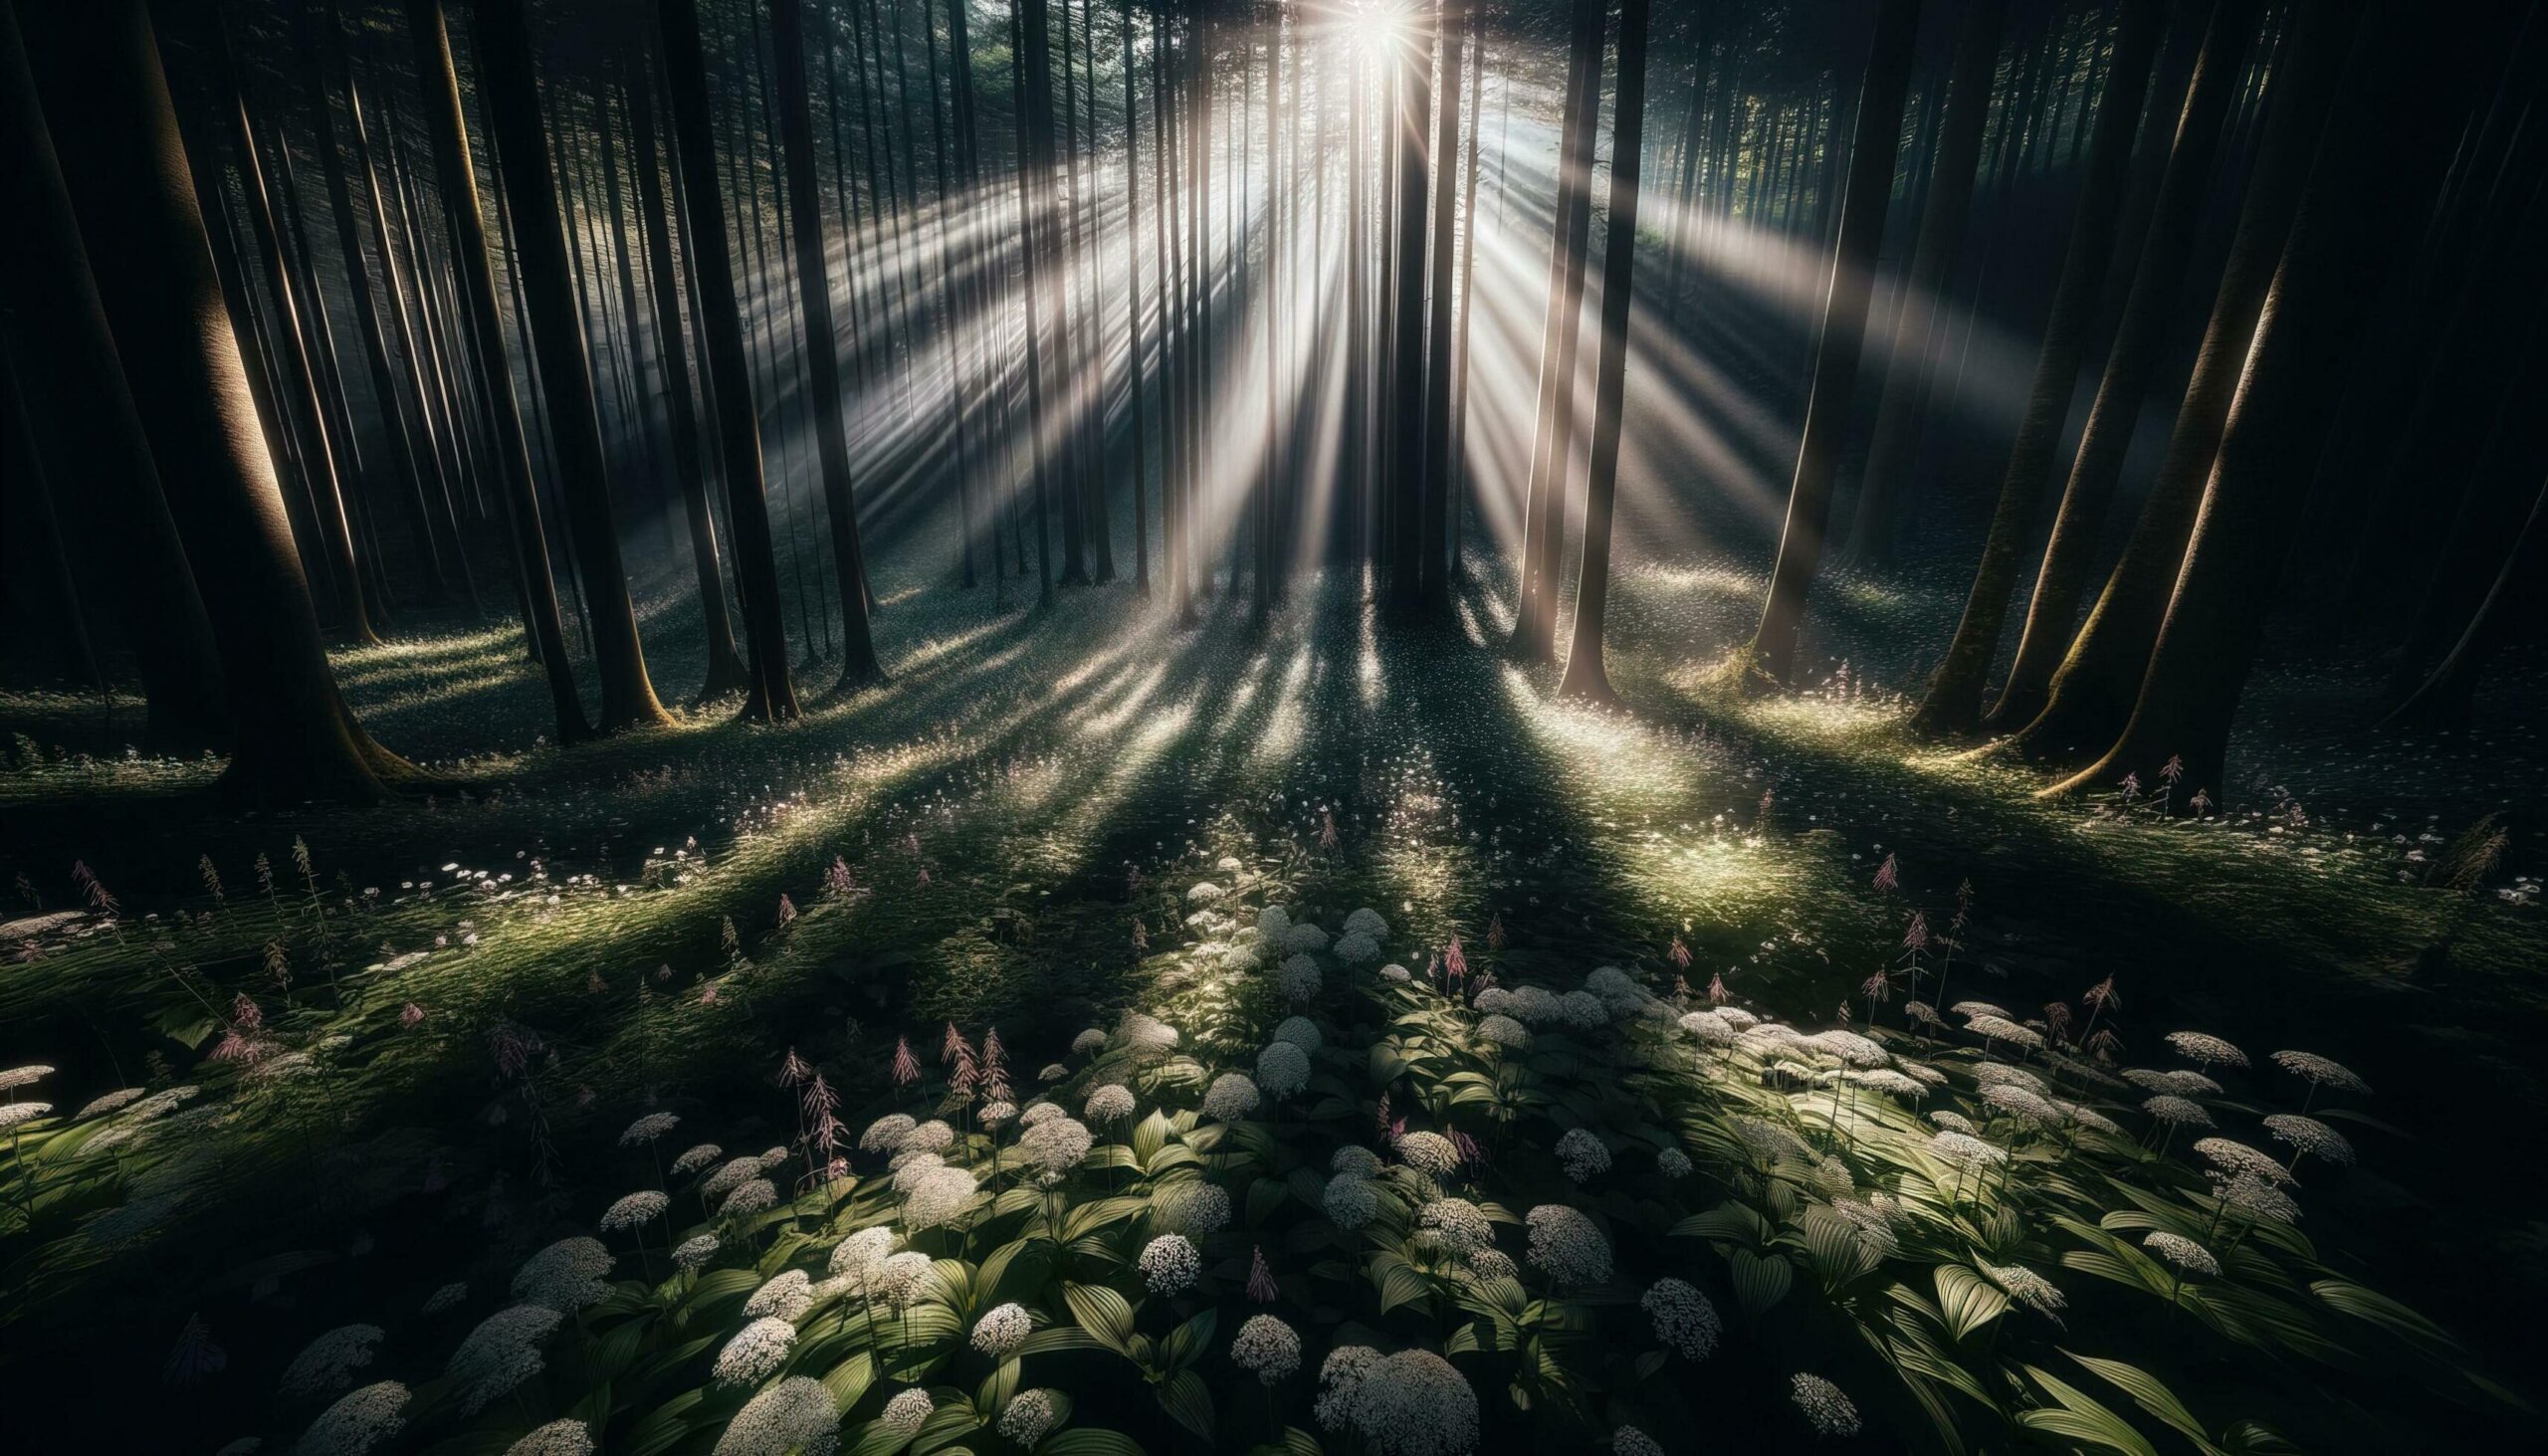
{"x":511,"y":93}
{"x":2151,"y":307}
{"x":1586,"y":676}
{"x":2375,"y":167}
{"x":2515,"y":598}
{"x":2092,"y":691}
{"x":771,"y":694}
{"x":1431,"y":580}
{"x":1406,"y":400}
{"x":1459,"y":458}
{"x":725,"y":670}
{"x":859,"y":665}
{"x":1771,"y":656}
{"x":1919,"y":326}
{"x":1533,"y":638}
{"x":322,"y":47}
{"x":116,"y":525}
{"x":456,"y":174}
{"x":292,"y":738}
{"x":1953,"y":704}
{"x":1031,"y":58}
{"x":1132,"y":307}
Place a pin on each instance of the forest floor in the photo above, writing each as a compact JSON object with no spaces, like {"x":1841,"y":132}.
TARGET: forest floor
{"x":659,"y":917}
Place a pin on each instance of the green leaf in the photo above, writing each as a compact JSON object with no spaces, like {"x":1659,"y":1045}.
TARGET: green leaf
{"x":1149,"y":1136}
{"x":1187,"y":1342}
{"x":1088,"y":1441}
{"x":1186,"y":1399}
{"x":2378,"y":1309}
{"x":2152,"y":1397}
{"x":1760,"y":1280}
{"x":2082,"y":1420}
{"x":1104,"y":1313}
{"x":1967,"y":1301}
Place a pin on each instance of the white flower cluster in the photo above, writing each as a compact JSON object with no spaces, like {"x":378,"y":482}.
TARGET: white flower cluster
{"x":697,"y":1157}
{"x":887,"y":1134}
{"x":444,"y":1298}
{"x":1366,"y":921}
{"x":1830,"y":1413}
{"x":2323,"y":1071}
{"x":758,"y":1195}
{"x":938,"y":1198}
{"x":502,"y":1352}
{"x":1567,"y":1246}
{"x":1298,"y":976}
{"x":1192,"y":1206}
{"x":1305,"y":938}
{"x":359,"y":1421}
{"x":1673,"y":1162}
{"x":1282,"y":1070}
{"x":1109,"y":1104}
{"x":696,"y":1251}
{"x":1355,"y":1160}
{"x":906,"y":1413}
{"x":1429,"y":1153}
{"x":2189,"y":1256}
{"x":1354,"y":948}
{"x":2206,"y":1050}
{"x":2311,"y":1136}
{"x":635,"y":1210}
{"x":1056,"y":1144}
{"x":1629,"y":1441}
{"x":1961,"y":1151}
{"x":568,"y":1437}
{"x":755,"y":1352}
{"x":649,"y":1128}
{"x":1412,"y":1403}
{"x":795,"y":1415}
{"x":788,"y":1296}
{"x":1268,"y":1348}
{"x":1029,"y":1417}
{"x":1170,"y":1263}
{"x":2027,"y":1288}
{"x":567,"y":1276}
{"x":1458,"y":1225}
{"x":328,"y":1361}
{"x":1685,"y":1318}
{"x":1301,"y":1032}
{"x":2177,"y":1111}
{"x":1580,"y":1153}
{"x":1001,"y":1330}
{"x":1351,"y":1201}
{"x":856,"y":1259}
{"x":1504,"y":1031}
{"x":1091,"y":1040}
{"x":735,"y":1172}
{"x":1232,"y":1096}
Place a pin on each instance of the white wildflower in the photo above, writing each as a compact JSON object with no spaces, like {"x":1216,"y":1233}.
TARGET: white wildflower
{"x":788,"y":1296}
{"x":1429,"y":1153}
{"x":2312,"y":1138}
{"x":1685,"y":1318}
{"x":887,"y":1134}
{"x":1298,"y":979}
{"x":634,"y":1210}
{"x":1412,"y":1403}
{"x":1567,"y":1246}
{"x":1232,"y":1096}
{"x":1504,"y":1031}
{"x":1170,"y":1263}
{"x":697,"y":1158}
{"x":1830,"y":1411}
{"x":795,"y":1415}
{"x":1282,"y":1070}
{"x":2206,"y":1050}
{"x":1056,"y":1146}
{"x":1001,"y":1330}
{"x":907,"y":1412}
{"x":1355,"y":1161}
{"x":1580,"y":1153}
{"x":568,"y":1437}
{"x":1268,"y":1348}
{"x":649,"y":1128}
{"x":567,"y":1276}
{"x":328,"y":1361}
{"x":1029,"y":1417}
{"x":755,"y":1352}
{"x":359,"y":1421}
{"x":2189,"y":1256}
{"x":502,"y":1352}
{"x":1110,"y":1102}
{"x":695,"y":1252}
{"x":1351,"y":1202}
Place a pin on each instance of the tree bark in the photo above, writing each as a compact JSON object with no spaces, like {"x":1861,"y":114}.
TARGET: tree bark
{"x":1919,"y":326}
{"x":456,"y":173}
{"x":2091,"y":693}
{"x":2371,"y":178}
{"x":292,"y":735}
{"x":1953,"y":704}
{"x":1770,"y":660}
{"x":1585,"y":676}
{"x":1431,"y":580}
{"x":512,"y":99}
{"x":2157,"y":281}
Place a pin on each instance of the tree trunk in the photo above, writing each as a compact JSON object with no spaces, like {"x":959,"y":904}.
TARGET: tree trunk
{"x":1132,"y":307}
{"x":2370,"y":181}
{"x":511,"y":94}
{"x":1954,"y":701}
{"x":2151,"y":305}
{"x":1431,"y":581}
{"x":1533,"y":638}
{"x":2443,"y":702}
{"x":771,"y":693}
{"x":1586,"y":676}
{"x":2092,"y":692}
{"x":859,"y":665}
{"x":725,"y":670}
{"x":1771,"y":656}
{"x":1919,"y":326}
{"x":292,"y":735}
{"x":1459,"y":457}
{"x":456,"y":174}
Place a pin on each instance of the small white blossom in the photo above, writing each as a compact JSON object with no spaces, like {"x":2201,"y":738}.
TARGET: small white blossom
{"x":1567,"y":1246}
{"x":1268,"y":1348}
{"x":1170,"y":1263}
{"x":755,"y":1352}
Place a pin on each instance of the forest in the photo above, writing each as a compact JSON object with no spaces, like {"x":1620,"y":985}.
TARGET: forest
{"x":831,"y":728}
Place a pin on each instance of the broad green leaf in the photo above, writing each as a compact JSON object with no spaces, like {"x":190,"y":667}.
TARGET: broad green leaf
{"x":1967,"y":1301}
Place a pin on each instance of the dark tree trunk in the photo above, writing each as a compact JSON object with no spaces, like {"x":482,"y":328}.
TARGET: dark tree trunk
{"x":1031,"y":59}
{"x":292,"y":735}
{"x":1586,"y":676}
{"x":512,"y":97}
{"x":859,"y":665}
{"x":2092,"y":692}
{"x":771,"y":694}
{"x":116,"y":525}
{"x":2514,"y":599}
{"x":1771,"y":658}
{"x":2151,"y":307}
{"x":1954,"y":701}
{"x":1910,"y":379}
{"x":323,"y":48}
{"x":1459,"y":457}
{"x":456,"y":173}
{"x":2370,"y":180}
{"x":1136,"y":371}
{"x":1406,"y":398}
{"x":725,"y":670}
